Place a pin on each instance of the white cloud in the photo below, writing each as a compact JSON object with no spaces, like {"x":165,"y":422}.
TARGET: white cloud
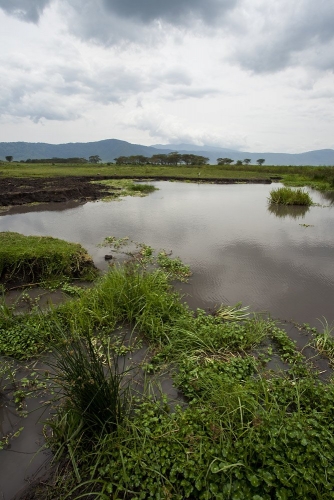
{"x":168,"y":128}
{"x":230,"y":73}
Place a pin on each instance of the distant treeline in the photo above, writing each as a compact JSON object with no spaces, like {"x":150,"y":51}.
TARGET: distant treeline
{"x":56,"y":160}
{"x":173,"y":158}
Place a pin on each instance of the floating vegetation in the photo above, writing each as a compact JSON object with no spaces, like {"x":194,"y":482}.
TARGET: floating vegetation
{"x":174,"y":267}
{"x":125,"y":187}
{"x":232,"y":313}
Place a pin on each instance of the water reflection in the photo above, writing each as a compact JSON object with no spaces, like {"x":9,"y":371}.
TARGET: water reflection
{"x":328,"y":196}
{"x":294,"y":211}
{"x":40,"y":207}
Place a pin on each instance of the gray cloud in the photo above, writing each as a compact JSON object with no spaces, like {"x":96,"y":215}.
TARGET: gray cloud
{"x":114,"y":22}
{"x":65,"y":90}
{"x":179,"y":12}
{"x":27,"y":10}
{"x":176,"y":76}
{"x":192,"y":92}
{"x":294,"y":34}
{"x":265,"y":36}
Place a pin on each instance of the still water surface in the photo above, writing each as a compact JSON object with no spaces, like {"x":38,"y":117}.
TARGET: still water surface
{"x":238,"y":248}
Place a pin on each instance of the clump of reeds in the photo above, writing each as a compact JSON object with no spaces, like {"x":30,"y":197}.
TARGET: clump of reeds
{"x":288,"y":196}
{"x":143,"y":188}
{"x":90,"y":377}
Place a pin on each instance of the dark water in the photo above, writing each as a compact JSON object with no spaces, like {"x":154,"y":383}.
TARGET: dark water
{"x":237,"y":247}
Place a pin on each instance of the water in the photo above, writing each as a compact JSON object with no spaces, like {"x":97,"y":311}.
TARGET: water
{"x":238,"y":248}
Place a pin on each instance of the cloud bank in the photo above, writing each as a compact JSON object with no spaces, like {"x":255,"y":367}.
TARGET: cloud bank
{"x":240,"y":67}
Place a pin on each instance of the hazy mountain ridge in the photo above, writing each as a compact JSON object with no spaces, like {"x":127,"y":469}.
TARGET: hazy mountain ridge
{"x":316,"y":157}
{"x":112,"y":148}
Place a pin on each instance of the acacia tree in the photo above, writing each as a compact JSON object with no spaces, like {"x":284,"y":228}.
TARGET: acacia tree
{"x":94,"y":159}
{"x":9,"y":158}
{"x":224,"y":161}
{"x":120,"y":160}
{"x":260,"y":161}
{"x":247,"y":161}
{"x":174,"y":158}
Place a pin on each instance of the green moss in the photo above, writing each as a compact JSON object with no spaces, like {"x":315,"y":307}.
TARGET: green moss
{"x":32,"y":259}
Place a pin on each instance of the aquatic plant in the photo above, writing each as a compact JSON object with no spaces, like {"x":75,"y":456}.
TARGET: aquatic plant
{"x":232,"y":313}
{"x":174,"y":267}
{"x":142,"y":188}
{"x":324,"y":341}
{"x":288,"y":196}
{"x":91,"y":393}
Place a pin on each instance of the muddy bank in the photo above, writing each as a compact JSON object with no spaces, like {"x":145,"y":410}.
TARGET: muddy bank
{"x":21,"y":191}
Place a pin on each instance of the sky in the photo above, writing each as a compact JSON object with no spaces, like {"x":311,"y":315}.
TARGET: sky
{"x":250,"y":75}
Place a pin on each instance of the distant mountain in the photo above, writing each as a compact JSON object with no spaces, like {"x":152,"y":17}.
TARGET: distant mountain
{"x":313,"y":158}
{"x":107,"y":150}
{"x":112,"y":148}
{"x":191,"y":147}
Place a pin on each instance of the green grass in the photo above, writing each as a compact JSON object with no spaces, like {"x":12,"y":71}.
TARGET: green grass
{"x":245,"y":432}
{"x":33,"y":259}
{"x":288,"y":196}
{"x":321,"y":178}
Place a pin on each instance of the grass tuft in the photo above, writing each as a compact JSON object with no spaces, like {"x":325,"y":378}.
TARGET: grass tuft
{"x":288,"y":196}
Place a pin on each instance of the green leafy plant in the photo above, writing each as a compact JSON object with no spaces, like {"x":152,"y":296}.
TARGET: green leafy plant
{"x":174,"y":267}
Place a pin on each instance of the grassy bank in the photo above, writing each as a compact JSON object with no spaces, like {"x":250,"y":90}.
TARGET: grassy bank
{"x":37,"y":259}
{"x":244,"y":432}
{"x":317,"y":177}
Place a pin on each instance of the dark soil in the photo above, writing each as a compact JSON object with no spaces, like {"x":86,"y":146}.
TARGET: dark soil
{"x":18,"y":191}
{"x":21,"y":191}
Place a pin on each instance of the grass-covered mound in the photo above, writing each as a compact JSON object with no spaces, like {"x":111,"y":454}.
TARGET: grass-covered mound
{"x":35,"y":259}
{"x":288,"y":196}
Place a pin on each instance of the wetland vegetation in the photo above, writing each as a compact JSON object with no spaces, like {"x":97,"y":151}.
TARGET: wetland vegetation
{"x":240,"y":431}
{"x":316,"y":177}
{"x":289,"y":196}
{"x":35,"y":259}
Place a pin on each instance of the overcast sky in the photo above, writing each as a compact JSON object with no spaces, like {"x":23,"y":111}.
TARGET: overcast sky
{"x":254,"y":75}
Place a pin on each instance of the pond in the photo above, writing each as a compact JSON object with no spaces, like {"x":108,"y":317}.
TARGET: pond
{"x":278,"y":260}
